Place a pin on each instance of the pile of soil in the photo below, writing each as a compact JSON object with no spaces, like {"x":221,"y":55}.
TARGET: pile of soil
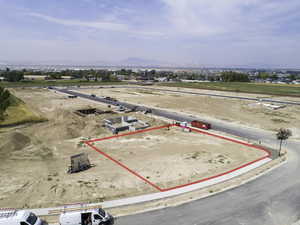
{"x":15,"y":141}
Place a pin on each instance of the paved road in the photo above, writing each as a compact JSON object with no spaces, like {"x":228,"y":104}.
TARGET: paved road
{"x":273,"y":199}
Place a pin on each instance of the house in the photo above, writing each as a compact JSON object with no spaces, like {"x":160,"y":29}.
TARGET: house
{"x":296,"y":82}
{"x":162,"y":79}
{"x":120,"y":77}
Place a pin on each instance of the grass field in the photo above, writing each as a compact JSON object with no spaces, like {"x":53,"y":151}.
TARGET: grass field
{"x":18,"y":113}
{"x":45,"y":83}
{"x":271,"y":89}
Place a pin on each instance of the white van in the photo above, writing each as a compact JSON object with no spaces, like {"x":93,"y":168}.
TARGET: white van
{"x":95,"y":216}
{"x":19,"y":217}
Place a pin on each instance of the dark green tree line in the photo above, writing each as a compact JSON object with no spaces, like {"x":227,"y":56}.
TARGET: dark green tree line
{"x":13,"y":75}
{"x":230,"y":76}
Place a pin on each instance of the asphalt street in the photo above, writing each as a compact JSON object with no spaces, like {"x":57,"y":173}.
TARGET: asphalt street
{"x":272,"y":199}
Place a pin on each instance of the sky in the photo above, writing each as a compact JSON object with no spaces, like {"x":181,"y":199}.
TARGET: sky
{"x":173,"y":32}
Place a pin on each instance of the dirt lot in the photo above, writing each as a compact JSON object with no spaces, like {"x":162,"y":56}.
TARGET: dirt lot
{"x":172,"y":157}
{"x":35,"y":157}
{"x":250,"y":113}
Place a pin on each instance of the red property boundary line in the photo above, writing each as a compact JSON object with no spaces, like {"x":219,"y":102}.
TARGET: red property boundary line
{"x":89,"y":143}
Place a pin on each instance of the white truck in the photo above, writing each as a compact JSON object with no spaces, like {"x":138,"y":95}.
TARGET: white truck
{"x":92,"y":216}
{"x":19,"y":217}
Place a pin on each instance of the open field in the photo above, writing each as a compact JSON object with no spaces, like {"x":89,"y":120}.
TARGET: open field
{"x":256,"y":88}
{"x":35,"y":157}
{"x":46,"y":83}
{"x":250,"y":113}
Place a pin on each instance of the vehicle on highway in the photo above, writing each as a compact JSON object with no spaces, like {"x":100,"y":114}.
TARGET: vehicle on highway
{"x":201,"y":125}
{"x":72,"y":96}
{"x":19,"y":217}
{"x":95,"y":216}
{"x":92,"y":95}
{"x":110,"y":99}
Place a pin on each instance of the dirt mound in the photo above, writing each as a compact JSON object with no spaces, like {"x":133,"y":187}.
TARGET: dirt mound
{"x":14,"y":142}
{"x":65,"y":125}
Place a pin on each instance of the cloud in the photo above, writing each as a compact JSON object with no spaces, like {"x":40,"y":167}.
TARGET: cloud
{"x":92,"y":24}
{"x":227,"y":17}
{"x":215,"y":32}
{"x":101,"y":25}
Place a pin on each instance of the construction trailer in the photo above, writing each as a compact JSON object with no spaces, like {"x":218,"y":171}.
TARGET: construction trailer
{"x":79,"y":162}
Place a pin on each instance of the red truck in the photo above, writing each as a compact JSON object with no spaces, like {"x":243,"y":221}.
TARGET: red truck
{"x":201,"y":125}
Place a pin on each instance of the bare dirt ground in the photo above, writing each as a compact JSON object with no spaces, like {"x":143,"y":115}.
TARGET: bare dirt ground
{"x":172,"y":157}
{"x":35,"y":157}
{"x":250,"y":113}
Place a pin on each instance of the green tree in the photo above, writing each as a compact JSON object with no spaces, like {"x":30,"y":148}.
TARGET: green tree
{"x":274,"y":76}
{"x":292,"y":76}
{"x":263,"y":75}
{"x":55,"y":76}
{"x":13,"y":76}
{"x":105,"y":75}
{"x":230,"y":76}
{"x":96,"y":74}
{"x":283,"y":134}
{"x":4,"y":101}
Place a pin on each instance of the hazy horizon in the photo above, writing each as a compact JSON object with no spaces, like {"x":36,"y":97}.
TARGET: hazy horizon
{"x":221,"y":33}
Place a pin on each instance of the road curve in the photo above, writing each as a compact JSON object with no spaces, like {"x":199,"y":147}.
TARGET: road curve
{"x":273,"y":199}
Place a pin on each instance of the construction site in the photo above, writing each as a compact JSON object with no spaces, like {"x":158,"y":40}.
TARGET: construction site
{"x":258,"y":114}
{"x":130,"y":153}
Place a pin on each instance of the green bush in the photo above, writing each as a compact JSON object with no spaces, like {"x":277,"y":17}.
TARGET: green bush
{"x":4,"y":101}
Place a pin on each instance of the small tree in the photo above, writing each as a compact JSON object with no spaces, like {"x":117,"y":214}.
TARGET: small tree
{"x":4,"y":101}
{"x":283,"y":134}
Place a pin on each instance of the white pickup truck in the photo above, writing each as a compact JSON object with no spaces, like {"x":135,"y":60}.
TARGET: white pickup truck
{"x":19,"y":217}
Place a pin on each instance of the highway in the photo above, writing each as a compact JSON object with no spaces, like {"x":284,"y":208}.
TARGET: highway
{"x":273,"y":199}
